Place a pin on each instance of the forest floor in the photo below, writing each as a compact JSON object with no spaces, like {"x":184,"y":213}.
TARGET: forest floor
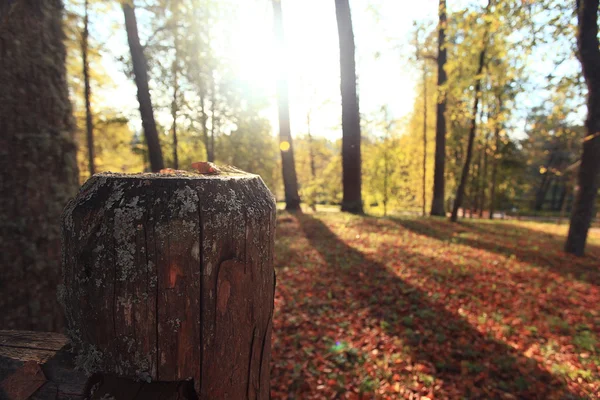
{"x":389,"y":308}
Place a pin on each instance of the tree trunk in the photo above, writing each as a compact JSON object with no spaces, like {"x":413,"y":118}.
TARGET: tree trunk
{"x":587,"y":186}
{"x":424,"y":137}
{"x":563,"y":192}
{"x":351,"y":158}
{"x":311,"y":153}
{"x":311,"y":156}
{"x":554,"y":193}
{"x":483,"y":179}
{"x":476,"y":180}
{"x":210,"y":154}
{"x":465,"y":171}
{"x":437,"y":203}
{"x":38,"y":167}
{"x":496,"y":158}
{"x":213,"y":114}
{"x":89,"y":124}
{"x":189,"y":292}
{"x":140,"y":71}
{"x":175,"y":71}
{"x":563,"y":206}
{"x":288,"y":165}
{"x":540,"y":195}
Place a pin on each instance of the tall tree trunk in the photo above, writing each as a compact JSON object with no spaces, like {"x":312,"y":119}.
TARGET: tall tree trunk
{"x":311,"y":156}
{"x":465,"y":171}
{"x":483,"y":178}
{"x":587,"y":186}
{"x":175,"y":72}
{"x":568,"y":187}
{"x":89,"y":123}
{"x":311,"y":152}
{"x":140,"y":71}
{"x":437,"y":203}
{"x":563,"y":192}
{"x":351,"y":159}
{"x":288,"y":166}
{"x":424,"y":137}
{"x":496,"y":158}
{"x":213,"y":114}
{"x":210,"y":154}
{"x":38,"y":166}
{"x":554,"y":193}
{"x":473,"y":187}
{"x":540,"y":195}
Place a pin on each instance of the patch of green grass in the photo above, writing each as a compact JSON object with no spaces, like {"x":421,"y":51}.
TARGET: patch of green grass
{"x":585,"y":340}
{"x":568,"y":372}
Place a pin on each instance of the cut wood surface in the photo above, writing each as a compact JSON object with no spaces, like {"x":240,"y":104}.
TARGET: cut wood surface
{"x":169,"y":278}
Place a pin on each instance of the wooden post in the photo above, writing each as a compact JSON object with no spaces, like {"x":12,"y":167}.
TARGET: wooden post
{"x":169,"y":278}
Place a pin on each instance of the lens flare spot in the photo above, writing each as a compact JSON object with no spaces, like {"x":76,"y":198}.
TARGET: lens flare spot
{"x":284,"y":146}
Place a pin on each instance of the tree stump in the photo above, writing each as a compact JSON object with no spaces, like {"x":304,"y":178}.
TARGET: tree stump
{"x":169,"y":277}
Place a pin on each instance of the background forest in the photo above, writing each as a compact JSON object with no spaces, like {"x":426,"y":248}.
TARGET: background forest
{"x":201,"y":58}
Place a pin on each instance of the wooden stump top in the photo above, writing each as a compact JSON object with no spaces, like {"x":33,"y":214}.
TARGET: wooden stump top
{"x":169,"y":278}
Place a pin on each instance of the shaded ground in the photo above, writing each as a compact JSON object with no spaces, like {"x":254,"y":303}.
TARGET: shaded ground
{"x":385,"y":308}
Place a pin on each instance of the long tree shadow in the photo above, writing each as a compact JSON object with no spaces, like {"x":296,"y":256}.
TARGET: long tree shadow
{"x":467,"y":363}
{"x":541,"y":249}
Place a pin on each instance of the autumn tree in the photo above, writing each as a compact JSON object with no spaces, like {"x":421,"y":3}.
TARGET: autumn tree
{"x":140,"y":71}
{"x":460,"y":191}
{"x":38,"y":163}
{"x":437,"y":203}
{"x":588,"y":174}
{"x":288,"y":166}
{"x":351,"y":158}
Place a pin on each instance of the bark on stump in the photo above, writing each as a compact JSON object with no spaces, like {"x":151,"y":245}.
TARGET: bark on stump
{"x":170,"y":278}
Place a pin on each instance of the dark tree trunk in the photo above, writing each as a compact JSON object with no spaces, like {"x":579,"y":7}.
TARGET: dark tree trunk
{"x":437,"y":203}
{"x":311,"y":152}
{"x":540,"y":195}
{"x":213,"y":114}
{"x":563,"y":192}
{"x":351,"y":161}
{"x":313,"y":169}
{"x":89,"y":123}
{"x":210,"y":154}
{"x":175,"y":71}
{"x":140,"y":71}
{"x":483,"y":178}
{"x":424,"y":137}
{"x":554,"y":193}
{"x":288,"y":165}
{"x":587,"y":185}
{"x":38,"y":167}
{"x":495,"y":160}
{"x":465,"y":171}
{"x":473,"y":187}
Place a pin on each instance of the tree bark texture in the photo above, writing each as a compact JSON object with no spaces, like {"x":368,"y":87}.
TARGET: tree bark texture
{"x":588,"y":174}
{"x":170,"y":277}
{"x":288,"y":165}
{"x":140,"y":72}
{"x":351,"y":158}
{"x":437,"y":203}
{"x":38,"y":167}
